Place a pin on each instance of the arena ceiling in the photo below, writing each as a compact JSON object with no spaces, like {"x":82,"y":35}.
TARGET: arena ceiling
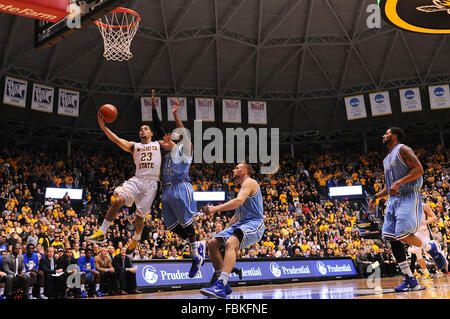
{"x":302,"y":56}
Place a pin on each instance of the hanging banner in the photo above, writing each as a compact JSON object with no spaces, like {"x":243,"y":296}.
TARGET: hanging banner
{"x":146,"y":108}
{"x":439,"y":97}
{"x":380,"y":103}
{"x":257,"y":112}
{"x":15,"y":92}
{"x":410,"y":100}
{"x":69,"y":102}
{"x":204,"y":109}
{"x":356,"y":107}
{"x":182,"y":109}
{"x":231,"y":111}
{"x":43,"y":97}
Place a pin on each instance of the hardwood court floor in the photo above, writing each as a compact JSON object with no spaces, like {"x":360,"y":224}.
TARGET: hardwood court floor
{"x":336,"y":289}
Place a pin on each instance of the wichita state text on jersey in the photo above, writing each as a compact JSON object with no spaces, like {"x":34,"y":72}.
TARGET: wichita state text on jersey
{"x":147,"y":158}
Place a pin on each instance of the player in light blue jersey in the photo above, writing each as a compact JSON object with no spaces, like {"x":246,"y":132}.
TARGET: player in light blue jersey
{"x":403,"y":180}
{"x":245,"y":229}
{"x":177,"y":200}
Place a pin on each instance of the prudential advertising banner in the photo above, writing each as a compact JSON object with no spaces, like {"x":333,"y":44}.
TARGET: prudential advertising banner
{"x":175,"y":273}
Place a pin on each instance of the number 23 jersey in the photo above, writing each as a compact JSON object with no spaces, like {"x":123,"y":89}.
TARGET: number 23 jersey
{"x":147,"y":158}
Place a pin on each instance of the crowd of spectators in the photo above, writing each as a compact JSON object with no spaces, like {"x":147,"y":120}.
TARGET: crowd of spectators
{"x":300,"y":220}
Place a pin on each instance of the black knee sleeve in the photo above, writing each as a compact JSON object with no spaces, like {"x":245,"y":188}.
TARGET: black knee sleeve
{"x":189,"y":231}
{"x":238,"y":234}
{"x":184,"y":232}
{"x":398,"y":250}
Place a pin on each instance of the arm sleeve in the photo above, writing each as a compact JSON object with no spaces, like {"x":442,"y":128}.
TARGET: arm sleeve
{"x":159,"y":131}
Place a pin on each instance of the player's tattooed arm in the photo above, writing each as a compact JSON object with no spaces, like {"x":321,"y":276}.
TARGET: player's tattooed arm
{"x":416,"y":169}
{"x":408,"y":156}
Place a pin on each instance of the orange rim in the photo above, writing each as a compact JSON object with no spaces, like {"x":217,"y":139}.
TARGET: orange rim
{"x":123,"y":10}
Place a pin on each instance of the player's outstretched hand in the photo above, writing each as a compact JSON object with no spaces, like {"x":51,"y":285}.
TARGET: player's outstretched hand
{"x":176,"y":106}
{"x":101,"y":122}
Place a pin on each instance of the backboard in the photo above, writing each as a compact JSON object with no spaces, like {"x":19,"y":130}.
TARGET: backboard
{"x":80,"y":13}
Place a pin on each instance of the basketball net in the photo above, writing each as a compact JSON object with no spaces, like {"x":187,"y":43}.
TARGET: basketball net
{"x":118,"y":29}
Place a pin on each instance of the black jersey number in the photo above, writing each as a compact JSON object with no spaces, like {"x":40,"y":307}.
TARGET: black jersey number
{"x":146,"y":157}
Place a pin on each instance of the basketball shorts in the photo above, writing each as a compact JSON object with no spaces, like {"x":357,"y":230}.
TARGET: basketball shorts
{"x":403,"y":215}
{"x":178,"y":205}
{"x":141,"y":191}
{"x":253,"y":231}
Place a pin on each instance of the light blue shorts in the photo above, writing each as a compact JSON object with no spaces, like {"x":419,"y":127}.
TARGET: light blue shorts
{"x":403,"y":215}
{"x":178,"y":205}
{"x":253,"y":231}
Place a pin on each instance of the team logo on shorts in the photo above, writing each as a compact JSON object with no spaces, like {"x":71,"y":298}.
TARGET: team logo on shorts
{"x":321,"y":268}
{"x":422,"y":16}
{"x":275,"y":270}
{"x":150,"y":274}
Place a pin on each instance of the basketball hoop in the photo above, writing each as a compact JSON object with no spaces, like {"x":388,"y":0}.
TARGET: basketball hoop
{"x":118,"y":29}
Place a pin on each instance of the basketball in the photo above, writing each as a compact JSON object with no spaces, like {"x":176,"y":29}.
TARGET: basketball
{"x":109,"y":113}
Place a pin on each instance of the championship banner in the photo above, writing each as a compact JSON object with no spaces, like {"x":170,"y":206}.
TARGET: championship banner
{"x":69,"y":102}
{"x":422,"y":16}
{"x":439,"y":97}
{"x":146,"y":108}
{"x":15,"y":92}
{"x":231,"y":111}
{"x":204,"y":109}
{"x":182,"y":109}
{"x":257,"y":112}
{"x":380,"y":103}
{"x":43,"y":97}
{"x":355,"y":107}
{"x":410,"y":100}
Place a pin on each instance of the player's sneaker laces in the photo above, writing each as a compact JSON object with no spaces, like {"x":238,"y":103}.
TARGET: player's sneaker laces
{"x":409,"y":284}
{"x":437,"y":256}
{"x":83,"y":294}
{"x":97,"y":238}
{"x":218,"y":290}
{"x":132,"y":247}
